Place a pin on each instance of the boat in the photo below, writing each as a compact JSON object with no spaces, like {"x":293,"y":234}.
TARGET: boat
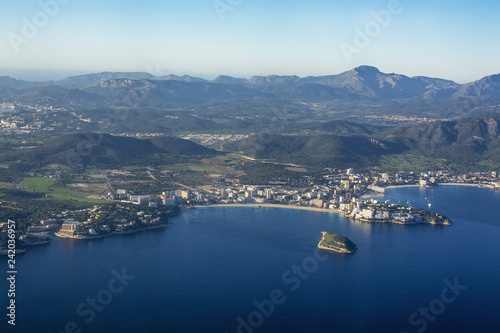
{"x":5,"y":251}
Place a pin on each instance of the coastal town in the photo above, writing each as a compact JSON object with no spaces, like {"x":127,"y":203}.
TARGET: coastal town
{"x":339,"y":190}
{"x":97,"y":222}
{"x":355,"y":195}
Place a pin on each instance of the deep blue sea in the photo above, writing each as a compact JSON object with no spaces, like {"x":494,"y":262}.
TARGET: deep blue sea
{"x":257,"y":270}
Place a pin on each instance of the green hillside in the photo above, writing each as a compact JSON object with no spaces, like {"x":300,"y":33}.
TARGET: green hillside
{"x":337,"y":243}
{"x":469,"y":142}
{"x":106,"y":151}
{"x":316,"y":150}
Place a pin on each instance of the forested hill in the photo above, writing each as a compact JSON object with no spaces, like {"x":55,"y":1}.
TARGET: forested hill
{"x":471,"y":142}
{"x":107,"y":151}
{"x":316,"y":150}
{"x":466,"y":142}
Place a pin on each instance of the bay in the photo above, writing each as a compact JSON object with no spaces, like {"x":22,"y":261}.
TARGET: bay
{"x":216,"y":268}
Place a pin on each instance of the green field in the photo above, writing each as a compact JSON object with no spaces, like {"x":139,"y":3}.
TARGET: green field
{"x":96,"y":171}
{"x":296,"y":169}
{"x":234,"y":159}
{"x":88,"y":185}
{"x":131,"y":168}
{"x":192,"y":167}
{"x":62,"y":193}
{"x":37,"y":184}
{"x":223,"y":158}
{"x":202,"y":168}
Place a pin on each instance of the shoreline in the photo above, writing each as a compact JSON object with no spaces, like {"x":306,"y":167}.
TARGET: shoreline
{"x":320,"y":210}
{"x":400,"y":186}
{"x":334,"y":248}
{"x":312,"y":209}
{"x":335,"y":211}
{"x":113,"y":233}
{"x":375,"y":195}
{"x":461,"y":184}
{"x":439,"y":184}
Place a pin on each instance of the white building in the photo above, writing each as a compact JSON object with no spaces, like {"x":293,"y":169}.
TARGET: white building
{"x":367,"y":213}
{"x":171,"y":200}
{"x":377,"y":189}
{"x":69,"y":229}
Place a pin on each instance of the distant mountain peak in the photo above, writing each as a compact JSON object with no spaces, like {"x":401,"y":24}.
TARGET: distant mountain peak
{"x":365,"y":83}
{"x":225,"y":79}
{"x":366,"y":70}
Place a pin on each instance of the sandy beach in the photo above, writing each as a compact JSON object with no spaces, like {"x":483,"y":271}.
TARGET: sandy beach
{"x":325,"y":210}
{"x":460,"y":184}
{"x":398,"y":186}
{"x":372,"y":195}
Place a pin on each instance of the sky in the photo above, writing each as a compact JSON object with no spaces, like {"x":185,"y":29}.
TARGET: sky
{"x":51,"y":39}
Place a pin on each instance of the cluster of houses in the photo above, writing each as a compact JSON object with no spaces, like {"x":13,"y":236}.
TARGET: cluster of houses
{"x":317,"y":196}
{"x":100,"y":220}
{"x":341,"y":191}
{"x":373,"y":211}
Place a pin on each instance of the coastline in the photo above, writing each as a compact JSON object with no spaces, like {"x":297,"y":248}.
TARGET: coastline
{"x":312,"y":209}
{"x":398,"y":186}
{"x":372,"y":195}
{"x":375,"y":195}
{"x":440,"y":184}
{"x":461,"y":184}
{"x":320,"y":210}
{"x":113,"y":233}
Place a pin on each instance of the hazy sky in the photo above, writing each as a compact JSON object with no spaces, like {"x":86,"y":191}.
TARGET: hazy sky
{"x":458,"y":40}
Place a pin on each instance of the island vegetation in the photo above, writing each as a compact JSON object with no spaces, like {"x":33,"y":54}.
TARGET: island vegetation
{"x":336,"y":243}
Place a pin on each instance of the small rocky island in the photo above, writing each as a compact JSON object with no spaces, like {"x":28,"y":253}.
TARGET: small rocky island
{"x":336,"y":243}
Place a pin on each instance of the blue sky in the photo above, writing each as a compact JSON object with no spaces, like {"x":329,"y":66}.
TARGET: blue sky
{"x":457,"y":40}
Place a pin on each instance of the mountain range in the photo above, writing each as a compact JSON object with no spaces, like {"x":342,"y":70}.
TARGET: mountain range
{"x":362,"y":86}
{"x":472,"y":143}
{"x":465,"y":143}
{"x":313,"y":121}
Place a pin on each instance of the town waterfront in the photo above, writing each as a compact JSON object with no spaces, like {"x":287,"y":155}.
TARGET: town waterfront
{"x":242,"y":269}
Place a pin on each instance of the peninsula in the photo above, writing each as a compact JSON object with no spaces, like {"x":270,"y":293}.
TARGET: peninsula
{"x":336,"y":243}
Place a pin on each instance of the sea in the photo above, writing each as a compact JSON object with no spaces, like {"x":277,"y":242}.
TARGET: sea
{"x":246,"y":270}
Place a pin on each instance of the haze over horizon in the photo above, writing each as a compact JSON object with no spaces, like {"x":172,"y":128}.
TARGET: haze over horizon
{"x":53,"y":39}
{"x":57,"y":75}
